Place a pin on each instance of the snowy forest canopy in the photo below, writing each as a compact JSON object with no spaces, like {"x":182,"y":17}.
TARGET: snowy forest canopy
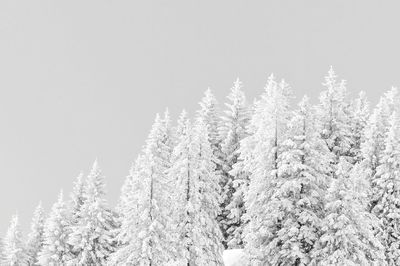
{"x":290,"y":184}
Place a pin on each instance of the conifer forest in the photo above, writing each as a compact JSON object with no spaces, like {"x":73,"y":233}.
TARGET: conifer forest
{"x":282,"y":180}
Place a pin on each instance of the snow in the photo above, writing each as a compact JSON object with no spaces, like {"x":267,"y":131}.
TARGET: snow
{"x":234,"y":257}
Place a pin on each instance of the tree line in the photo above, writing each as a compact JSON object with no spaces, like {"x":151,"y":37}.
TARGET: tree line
{"x":305,"y":184}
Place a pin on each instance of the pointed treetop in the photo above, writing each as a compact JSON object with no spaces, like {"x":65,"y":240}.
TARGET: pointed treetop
{"x":271,"y":76}
{"x":361,"y":104}
{"x":158,"y":129}
{"x":166,"y":112}
{"x":167,"y":117}
{"x":39,"y":211}
{"x":182,"y":125}
{"x":237,"y":84}
{"x":208,"y":92}
{"x":208,"y":99}
{"x":330,"y":79}
{"x":285,"y":88}
{"x":183,"y":116}
{"x":15,"y":218}
{"x":304,"y":103}
{"x":331,"y":72}
{"x":393,"y":135}
{"x":79,"y":178}
{"x":61,"y":196}
{"x":95,"y":165}
{"x":39,"y":206}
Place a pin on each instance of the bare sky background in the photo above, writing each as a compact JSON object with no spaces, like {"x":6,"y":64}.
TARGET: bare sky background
{"x":84,"y":79}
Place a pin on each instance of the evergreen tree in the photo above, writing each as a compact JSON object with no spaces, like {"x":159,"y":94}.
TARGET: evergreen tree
{"x":295,"y":209}
{"x":91,"y":236}
{"x":147,"y":209}
{"x":374,"y":144}
{"x":233,"y":130}
{"x":209,"y":113}
{"x":77,"y":198}
{"x":55,"y":249}
{"x":129,"y":214}
{"x":36,"y":236}
{"x":387,"y":184}
{"x":197,"y":198}
{"x":14,"y":252}
{"x":180,"y":129}
{"x":259,"y":154}
{"x":359,"y":120}
{"x":347,"y":229}
{"x":335,"y":118}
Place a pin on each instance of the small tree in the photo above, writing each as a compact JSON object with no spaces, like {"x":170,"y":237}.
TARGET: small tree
{"x":36,"y":236}
{"x":91,"y":237}
{"x":55,"y":249}
{"x":14,"y":252}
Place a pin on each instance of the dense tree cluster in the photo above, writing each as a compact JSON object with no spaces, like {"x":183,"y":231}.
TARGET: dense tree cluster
{"x":305,"y":184}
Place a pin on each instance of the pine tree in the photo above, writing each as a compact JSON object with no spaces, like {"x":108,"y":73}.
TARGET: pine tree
{"x":180,"y":129}
{"x":374,"y":144}
{"x":55,"y":249}
{"x":335,"y":118}
{"x":14,"y":251}
{"x":259,"y":155}
{"x":233,"y":130}
{"x":295,"y":209}
{"x":147,"y":208}
{"x":77,"y":198}
{"x":209,"y":113}
{"x":197,"y":198}
{"x":387,"y":184}
{"x":129,"y":214}
{"x":359,"y":120}
{"x":36,"y":236}
{"x":347,"y":229}
{"x":91,"y":236}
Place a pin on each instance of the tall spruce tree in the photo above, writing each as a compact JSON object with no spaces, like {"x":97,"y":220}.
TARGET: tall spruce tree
{"x":374,"y":145}
{"x":91,"y":237}
{"x":335,"y":118}
{"x":55,"y":249}
{"x":197,"y":197}
{"x":295,"y":209}
{"x":130,"y":212}
{"x":14,"y":251}
{"x":210,"y":115}
{"x":233,"y":129}
{"x":147,"y":205}
{"x":260,"y":152}
{"x":387,"y":184}
{"x":359,"y":119}
{"x":36,"y":236}
{"x":77,"y":198}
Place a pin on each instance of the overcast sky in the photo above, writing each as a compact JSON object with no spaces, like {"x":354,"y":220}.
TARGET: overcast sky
{"x":84,"y":79}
